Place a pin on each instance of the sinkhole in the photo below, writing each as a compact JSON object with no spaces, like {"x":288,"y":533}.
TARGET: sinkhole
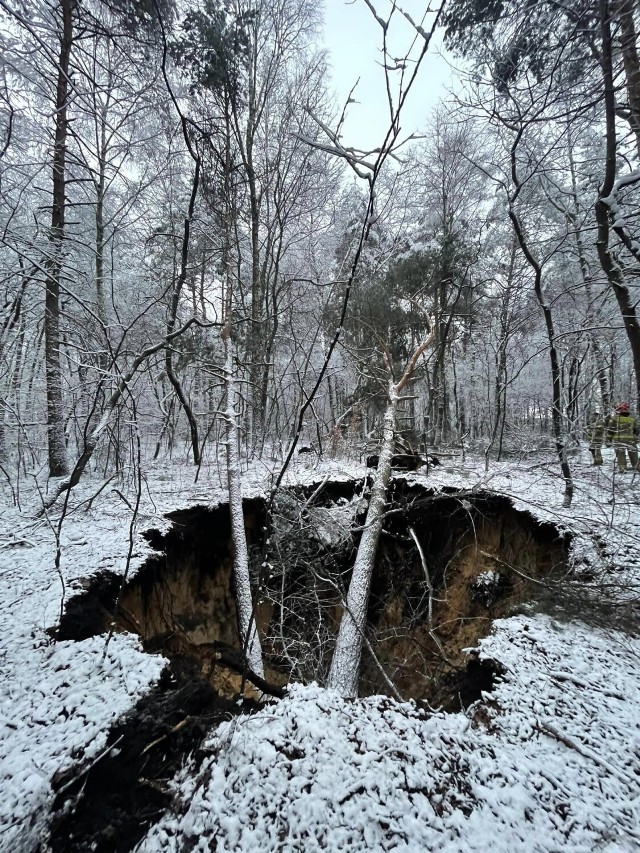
{"x":448,"y":564}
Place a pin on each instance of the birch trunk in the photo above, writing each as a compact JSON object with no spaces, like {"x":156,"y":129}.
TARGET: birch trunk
{"x":244,"y":602}
{"x":345,"y":666}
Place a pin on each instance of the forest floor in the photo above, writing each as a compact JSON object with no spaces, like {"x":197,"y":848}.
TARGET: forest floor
{"x":548,"y":761}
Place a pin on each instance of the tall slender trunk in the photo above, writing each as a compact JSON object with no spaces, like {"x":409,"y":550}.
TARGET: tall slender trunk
{"x":245,"y":137}
{"x":244,"y":601}
{"x":608,"y":261}
{"x":591,"y":316}
{"x":3,"y":411}
{"x":184,"y":255}
{"x":554,"y":362}
{"x":173,"y":315}
{"x":102,"y":116}
{"x":100,"y":240}
{"x":500,"y":389}
{"x":269,"y":337}
{"x":590,"y":320}
{"x":624,"y":11}
{"x":256,"y":355}
{"x":55,"y":413}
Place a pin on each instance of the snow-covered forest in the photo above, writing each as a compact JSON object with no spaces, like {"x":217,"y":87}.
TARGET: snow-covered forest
{"x":317,"y":530}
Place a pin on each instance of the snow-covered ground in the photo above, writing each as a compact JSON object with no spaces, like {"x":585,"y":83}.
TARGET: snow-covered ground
{"x":552,"y":762}
{"x":553,"y":765}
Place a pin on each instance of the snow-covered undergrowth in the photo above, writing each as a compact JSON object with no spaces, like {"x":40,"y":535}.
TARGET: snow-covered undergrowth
{"x":551,"y":764}
{"x":57,"y":701}
{"x":56,"y":711}
{"x":555,"y":757}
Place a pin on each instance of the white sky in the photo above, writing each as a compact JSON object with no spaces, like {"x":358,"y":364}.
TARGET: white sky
{"x":354,"y":41}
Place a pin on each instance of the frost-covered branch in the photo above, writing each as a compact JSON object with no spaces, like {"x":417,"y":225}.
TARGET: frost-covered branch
{"x":122,"y":383}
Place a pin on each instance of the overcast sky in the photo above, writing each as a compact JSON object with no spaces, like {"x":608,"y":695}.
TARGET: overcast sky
{"x":354,"y":41}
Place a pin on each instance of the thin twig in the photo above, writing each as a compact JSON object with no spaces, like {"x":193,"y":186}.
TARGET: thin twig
{"x":84,"y":772}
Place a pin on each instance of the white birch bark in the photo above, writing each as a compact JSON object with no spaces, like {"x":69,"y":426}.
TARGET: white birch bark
{"x":246,"y":622}
{"x":345,"y":666}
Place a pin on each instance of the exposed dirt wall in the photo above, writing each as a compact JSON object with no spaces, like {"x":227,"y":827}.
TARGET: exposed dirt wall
{"x":484,"y":559}
{"x":478,"y":559}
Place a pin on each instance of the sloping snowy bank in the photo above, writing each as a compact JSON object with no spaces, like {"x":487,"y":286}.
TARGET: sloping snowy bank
{"x":553,"y":764}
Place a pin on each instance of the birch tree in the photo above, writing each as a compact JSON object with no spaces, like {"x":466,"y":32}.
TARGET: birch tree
{"x":216,"y":55}
{"x":345,"y":664}
{"x":242,"y":582}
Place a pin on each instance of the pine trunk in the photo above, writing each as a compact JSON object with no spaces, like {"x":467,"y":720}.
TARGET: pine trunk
{"x":53,"y":370}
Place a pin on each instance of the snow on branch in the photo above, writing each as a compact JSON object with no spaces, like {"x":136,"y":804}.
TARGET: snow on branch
{"x":625,"y":181}
{"x":406,"y":376}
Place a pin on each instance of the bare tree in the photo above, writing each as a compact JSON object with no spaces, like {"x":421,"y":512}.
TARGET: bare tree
{"x":54,"y":264}
{"x":607,"y":208}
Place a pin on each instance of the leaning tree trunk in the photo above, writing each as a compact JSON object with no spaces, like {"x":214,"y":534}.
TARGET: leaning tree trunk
{"x":242,"y":581}
{"x":244,"y":601}
{"x":345,"y":665}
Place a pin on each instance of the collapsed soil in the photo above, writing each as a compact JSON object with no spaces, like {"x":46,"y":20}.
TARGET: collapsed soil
{"x":483,"y":559}
{"x":448,"y":564}
{"x":478,"y":560}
